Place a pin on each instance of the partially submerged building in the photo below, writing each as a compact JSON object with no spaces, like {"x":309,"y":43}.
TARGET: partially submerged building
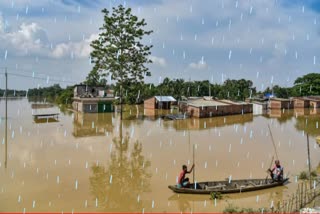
{"x":209,"y":107}
{"x":92,"y":99}
{"x":279,"y":103}
{"x":159,"y":102}
{"x":301,"y":102}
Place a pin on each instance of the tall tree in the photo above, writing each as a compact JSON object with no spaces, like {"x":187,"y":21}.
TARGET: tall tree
{"x":118,"y":51}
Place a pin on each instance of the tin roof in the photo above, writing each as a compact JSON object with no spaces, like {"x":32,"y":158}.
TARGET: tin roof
{"x":165,"y":98}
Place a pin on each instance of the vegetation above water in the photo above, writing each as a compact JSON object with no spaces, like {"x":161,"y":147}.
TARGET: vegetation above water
{"x":305,"y":175}
{"x":178,"y":88}
{"x":234,"y":209}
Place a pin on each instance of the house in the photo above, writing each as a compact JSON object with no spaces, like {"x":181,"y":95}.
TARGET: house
{"x":209,"y":107}
{"x":159,"y":102}
{"x":279,"y":103}
{"x":92,"y":99}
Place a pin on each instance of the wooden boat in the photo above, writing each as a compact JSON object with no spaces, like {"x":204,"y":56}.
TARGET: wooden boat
{"x":224,"y":187}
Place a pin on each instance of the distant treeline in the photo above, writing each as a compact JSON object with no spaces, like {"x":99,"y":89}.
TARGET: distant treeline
{"x":52,"y":93}
{"x":237,"y":90}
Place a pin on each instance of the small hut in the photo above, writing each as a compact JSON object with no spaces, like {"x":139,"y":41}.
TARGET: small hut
{"x":159,"y":102}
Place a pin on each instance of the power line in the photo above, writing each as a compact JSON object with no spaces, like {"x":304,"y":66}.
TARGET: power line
{"x":48,"y":78}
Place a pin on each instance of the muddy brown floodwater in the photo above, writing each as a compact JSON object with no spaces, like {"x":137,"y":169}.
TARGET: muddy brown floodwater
{"x":88,"y":163}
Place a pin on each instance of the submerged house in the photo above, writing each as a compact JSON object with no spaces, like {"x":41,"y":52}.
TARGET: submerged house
{"x":159,"y":102}
{"x":92,"y":99}
{"x":279,"y":103}
{"x":301,"y":102}
{"x":209,"y":107}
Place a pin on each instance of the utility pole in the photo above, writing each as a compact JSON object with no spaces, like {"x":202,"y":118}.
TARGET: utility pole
{"x":6,"y":123}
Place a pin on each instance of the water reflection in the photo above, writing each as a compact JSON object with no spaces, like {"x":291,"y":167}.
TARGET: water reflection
{"x":119,"y":186}
{"x":93,"y":124}
{"x":45,"y":120}
{"x":308,"y":124}
{"x":207,"y":123}
{"x":188,"y":203}
{"x":282,"y":115}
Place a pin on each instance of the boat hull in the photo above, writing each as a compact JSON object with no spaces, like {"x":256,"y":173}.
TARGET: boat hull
{"x":225,"y":187}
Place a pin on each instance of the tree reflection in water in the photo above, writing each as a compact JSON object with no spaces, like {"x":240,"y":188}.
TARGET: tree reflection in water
{"x":130,"y":178}
{"x":309,"y":124}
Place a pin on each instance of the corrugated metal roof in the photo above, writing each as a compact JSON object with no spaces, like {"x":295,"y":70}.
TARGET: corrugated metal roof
{"x":165,"y":98}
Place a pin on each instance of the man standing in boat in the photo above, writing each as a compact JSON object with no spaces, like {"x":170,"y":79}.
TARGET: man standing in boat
{"x":183,"y":181}
{"x":277,"y":172}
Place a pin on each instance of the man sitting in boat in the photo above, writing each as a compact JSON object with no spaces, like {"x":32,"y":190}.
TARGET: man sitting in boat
{"x":277,"y":172}
{"x":183,"y":181}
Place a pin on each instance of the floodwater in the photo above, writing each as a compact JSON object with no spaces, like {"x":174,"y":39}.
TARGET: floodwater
{"x":92,"y":163}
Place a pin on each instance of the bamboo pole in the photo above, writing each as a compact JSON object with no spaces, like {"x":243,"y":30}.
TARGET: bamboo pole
{"x":301,"y":195}
{"x":274,"y":145}
{"x":193,"y":170}
{"x":6,"y":123}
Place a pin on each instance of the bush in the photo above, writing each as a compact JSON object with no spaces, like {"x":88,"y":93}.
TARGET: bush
{"x":305,"y":175}
{"x":216,"y":195}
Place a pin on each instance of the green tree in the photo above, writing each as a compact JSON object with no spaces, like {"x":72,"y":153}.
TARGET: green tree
{"x":307,"y":85}
{"x":118,"y":51}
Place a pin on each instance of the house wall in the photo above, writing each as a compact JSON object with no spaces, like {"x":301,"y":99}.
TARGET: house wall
{"x":83,"y":89}
{"x":259,"y":108}
{"x":281,"y":104}
{"x":162,"y":105}
{"x":150,"y":103}
{"x":300,"y":103}
{"x":90,"y":107}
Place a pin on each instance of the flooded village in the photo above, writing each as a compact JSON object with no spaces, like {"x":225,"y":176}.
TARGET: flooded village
{"x":88,"y":160}
{"x":159,"y":106}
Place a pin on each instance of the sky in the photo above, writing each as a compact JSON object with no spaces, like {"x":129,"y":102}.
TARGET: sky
{"x":271,"y":42}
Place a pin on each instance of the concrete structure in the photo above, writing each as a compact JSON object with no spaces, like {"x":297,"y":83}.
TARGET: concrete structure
{"x":208,"y":107}
{"x":159,"y":102}
{"x":279,"y":103}
{"x":89,"y":99}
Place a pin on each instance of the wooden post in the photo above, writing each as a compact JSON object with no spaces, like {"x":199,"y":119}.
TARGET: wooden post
{"x":309,"y":162}
{"x":301,"y":196}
